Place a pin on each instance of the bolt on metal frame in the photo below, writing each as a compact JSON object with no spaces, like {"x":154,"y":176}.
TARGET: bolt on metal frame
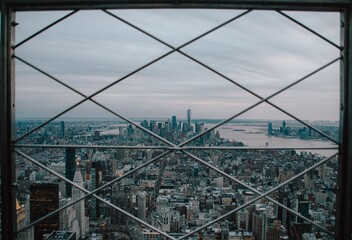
{"x":9,"y":144}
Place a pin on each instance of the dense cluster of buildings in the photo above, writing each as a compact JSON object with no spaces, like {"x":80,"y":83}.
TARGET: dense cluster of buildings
{"x":297,"y":131}
{"x":176,"y":194}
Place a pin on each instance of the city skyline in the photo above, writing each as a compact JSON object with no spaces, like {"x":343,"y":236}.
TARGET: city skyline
{"x":179,"y":193}
{"x":262,"y":51}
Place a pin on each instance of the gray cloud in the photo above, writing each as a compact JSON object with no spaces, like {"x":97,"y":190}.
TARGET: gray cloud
{"x":262,"y":50}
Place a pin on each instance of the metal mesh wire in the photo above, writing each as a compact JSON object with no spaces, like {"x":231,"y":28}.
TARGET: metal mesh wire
{"x":171,"y":147}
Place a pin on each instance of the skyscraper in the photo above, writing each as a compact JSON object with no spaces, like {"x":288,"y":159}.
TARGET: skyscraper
{"x":173,"y":123}
{"x":120,"y":197}
{"x":270,"y":129}
{"x":96,"y":178}
{"x":79,"y":207}
{"x":70,"y":164}
{"x":302,"y":206}
{"x":62,"y":129}
{"x":189,"y":117}
{"x":282,"y":214}
{"x":44,"y":199}
{"x":258,"y":224}
{"x":243,"y":219}
{"x":142,"y":204}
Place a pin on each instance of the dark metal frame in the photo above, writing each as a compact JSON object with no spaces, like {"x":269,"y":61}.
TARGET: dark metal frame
{"x":344,"y":193}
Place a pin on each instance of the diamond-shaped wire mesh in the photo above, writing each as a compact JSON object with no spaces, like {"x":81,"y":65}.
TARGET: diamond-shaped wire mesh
{"x":181,"y":147}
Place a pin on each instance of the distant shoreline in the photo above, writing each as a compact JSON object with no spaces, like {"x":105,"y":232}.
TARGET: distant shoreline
{"x":235,"y":122}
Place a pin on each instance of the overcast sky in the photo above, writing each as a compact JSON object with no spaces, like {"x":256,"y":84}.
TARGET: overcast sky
{"x":262,"y":51}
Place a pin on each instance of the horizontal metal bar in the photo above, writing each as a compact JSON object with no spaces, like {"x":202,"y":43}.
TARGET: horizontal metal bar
{"x":169,"y":148}
{"x":262,"y":2}
{"x":90,"y":146}
{"x":259,"y":148}
{"x":259,"y":197}
{"x":305,"y":5}
{"x":98,"y":197}
{"x":88,"y":194}
{"x":44,"y":29}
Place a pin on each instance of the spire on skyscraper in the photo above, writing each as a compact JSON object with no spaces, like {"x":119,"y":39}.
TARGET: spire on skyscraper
{"x":78,"y":179}
{"x":76,"y":194}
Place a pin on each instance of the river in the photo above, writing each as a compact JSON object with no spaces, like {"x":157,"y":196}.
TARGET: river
{"x":256,"y":136}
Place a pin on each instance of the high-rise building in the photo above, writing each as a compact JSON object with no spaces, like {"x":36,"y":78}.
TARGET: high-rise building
{"x":79,"y":207}
{"x":121,"y":198}
{"x":130,"y":130}
{"x":270,"y":129}
{"x":199,"y":127}
{"x":276,"y":231}
{"x":243,"y":219}
{"x":44,"y":199}
{"x":186,"y":128}
{"x":173,"y":123}
{"x":268,"y":220}
{"x":257,"y":225}
{"x":62,"y":129}
{"x":96,"y":180}
{"x":282,"y":214}
{"x":302,"y":206}
{"x":142,"y":205}
{"x":189,"y":117}
{"x":70,"y":165}
{"x":68,"y":218}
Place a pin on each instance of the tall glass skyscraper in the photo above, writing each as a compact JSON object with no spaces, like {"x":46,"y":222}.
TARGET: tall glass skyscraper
{"x":189,"y":119}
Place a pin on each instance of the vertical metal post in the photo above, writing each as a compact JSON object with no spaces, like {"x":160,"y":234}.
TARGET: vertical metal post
{"x":344,"y":194}
{"x":8,"y":203}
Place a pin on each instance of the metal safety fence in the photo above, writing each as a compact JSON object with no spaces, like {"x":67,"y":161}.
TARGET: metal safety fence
{"x":171,"y":147}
